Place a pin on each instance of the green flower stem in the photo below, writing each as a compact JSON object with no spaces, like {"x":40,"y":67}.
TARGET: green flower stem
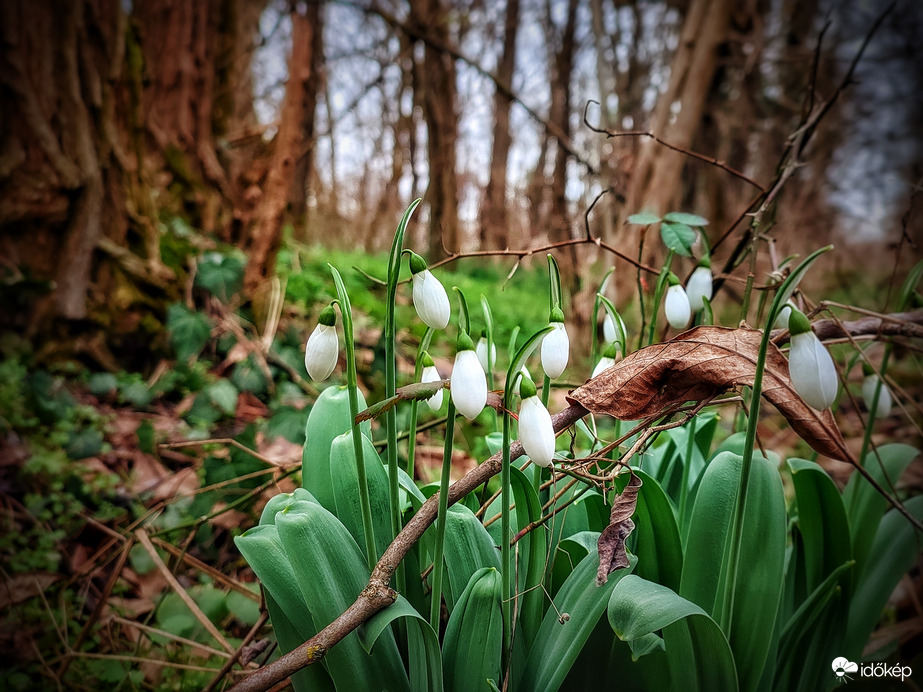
{"x":414,"y":404}
{"x":658,"y":294}
{"x":435,"y":611}
{"x":785,"y":292}
{"x":394,"y":268}
{"x":640,"y":282}
{"x":352,"y":388}
{"x":512,"y":378}
{"x":489,"y":324}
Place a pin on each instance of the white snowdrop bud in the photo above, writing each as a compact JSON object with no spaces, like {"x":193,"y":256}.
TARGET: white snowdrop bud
{"x":322,"y":349}
{"x":869,"y":384}
{"x":555,"y":346}
{"x":676,"y":304}
{"x":431,"y":374}
{"x":699,"y":286}
{"x":469,"y":383}
{"x":536,"y":431}
{"x":810,"y":366}
{"x":429,"y":296}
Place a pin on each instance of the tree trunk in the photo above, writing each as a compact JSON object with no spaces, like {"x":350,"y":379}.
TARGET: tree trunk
{"x":266,"y":234}
{"x":495,"y":222}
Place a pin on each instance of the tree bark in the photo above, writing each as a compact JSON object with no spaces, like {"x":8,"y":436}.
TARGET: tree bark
{"x":266,"y":234}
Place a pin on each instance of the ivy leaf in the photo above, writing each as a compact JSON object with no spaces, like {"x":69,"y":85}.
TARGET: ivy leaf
{"x":221,"y":276}
{"x":189,"y":331}
{"x":678,"y":237}
{"x":684,"y":218}
{"x":645,"y":218}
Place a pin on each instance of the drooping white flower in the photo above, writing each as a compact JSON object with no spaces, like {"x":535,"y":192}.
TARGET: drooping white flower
{"x":469,"y":383}
{"x":429,"y":296}
{"x":555,"y":346}
{"x":676,"y":304}
{"x":869,"y":384}
{"x":536,"y":431}
{"x":810,"y":366}
{"x":431,"y":374}
{"x":609,"y":331}
{"x":606,"y":361}
{"x":322,"y":349}
{"x":481,"y":350}
{"x":699,"y":286}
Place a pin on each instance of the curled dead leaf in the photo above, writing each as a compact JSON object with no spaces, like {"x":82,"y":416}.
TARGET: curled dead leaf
{"x":698,"y":364}
{"x":611,"y":542}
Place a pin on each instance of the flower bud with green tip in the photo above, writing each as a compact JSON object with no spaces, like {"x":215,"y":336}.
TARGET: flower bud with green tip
{"x":469,"y":383}
{"x":869,"y":383}
{"x":322,"y":349}
{"x":606,"y":362}
{"x":676,"y":304}
{"x":431,"y":374}
{"x":481,"y":350}
{"x":536,"y":431}
{"x":699,"y":286}
{"x":429,"y":296}
{"x":810,"y":366}
{"x":555,"y":346}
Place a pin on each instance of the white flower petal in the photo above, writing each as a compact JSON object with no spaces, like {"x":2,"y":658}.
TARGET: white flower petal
{"x":431,"y":300}
{"x":698,"y":287}
{"x":431,"y":374}
{"x":676,"y":307}
{"x":481,"y":350}
{"x":555,"y":350}
{"x":604,"y":364}
{"x":883,"y":410}
{"x":812,"y":371}
{"x":782,"y":318}
{"x":609,"y":331}
{"x":469,"y":384}
{"x":536,"y":432}
{"x":321,"y":352}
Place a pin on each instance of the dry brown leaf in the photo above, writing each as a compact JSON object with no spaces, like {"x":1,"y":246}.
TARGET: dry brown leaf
{"x":611,"y":542}
{"x":699,"y":364}
{"x":22,"y":587}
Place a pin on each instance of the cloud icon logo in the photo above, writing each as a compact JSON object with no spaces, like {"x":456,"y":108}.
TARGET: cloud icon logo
{"x":841,"y":666}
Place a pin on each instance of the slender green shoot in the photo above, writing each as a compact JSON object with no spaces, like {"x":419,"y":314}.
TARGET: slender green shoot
{"x":435,"y":611}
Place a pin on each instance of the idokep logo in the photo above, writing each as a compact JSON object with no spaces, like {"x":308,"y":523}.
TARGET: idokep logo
{"x":842,"y":667}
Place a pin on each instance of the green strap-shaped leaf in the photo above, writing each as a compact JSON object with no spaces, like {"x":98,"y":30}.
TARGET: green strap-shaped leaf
{"x":329,"y":418}
{"x":345,"y":483}
{"x":864,"y":504}
{"x":314,"y":678}
{"x":557,"y":645}
{"x":474,"y":634}
{"x":758,"y":586}
{"x":894,"y":551}
{"x":470,"y":548}
{"x":530,"y":554}
{"x":655,"y":539}
{"x":698,"y":654}
{"x":331,"y":572}
{"x":279,"y":502}
{"x":821,"y":521}
{"x":425,"y":657}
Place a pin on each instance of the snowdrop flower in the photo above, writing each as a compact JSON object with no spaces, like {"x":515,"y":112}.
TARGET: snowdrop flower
{"x":782,"y":318}
{"x":536,"y":432}
{"x":481,"y":350}
{"x":469,"y":383}
{"x":555,"y":346}
{"x":322,"y":350}
{"x":676,"y":304}
{"x":609,"y":331}
{"x":869,"y":383}
{"x":606,"y":362}
{"x":699,"y":286}
{"x":810,"y":366}
{"x":429,"y":296}
{"x":431,"y":374}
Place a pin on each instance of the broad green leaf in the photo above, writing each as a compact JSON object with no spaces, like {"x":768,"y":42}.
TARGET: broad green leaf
{"x":821,"y":521}
{"x":223,"y":395}
{"x":189,"y":331}
{"x":529,"y":553}
{"x":470,"y":549}
{"x":644,"y":218}
{"x":314,"y":678}
{"x":655,"y":539}
{"x":864,"y":504}
{"x":557,"y":645}
{"x":345,"y":476}
{"x":279,"y":502}
{"x":758,"y":584}
{"x":331,"y":572}
{"x":220,"y":275}
{"x":678,"y":237}
{"x":329,"y":418}
{"x":474,"y":634}
{"x":684,"y":218}
{"x":425,"y":657}
{"x":697,"y":652}
{"x":894,"y":551}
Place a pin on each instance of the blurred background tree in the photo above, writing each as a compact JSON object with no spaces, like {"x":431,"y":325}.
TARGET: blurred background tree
{"x":137,"y":134}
